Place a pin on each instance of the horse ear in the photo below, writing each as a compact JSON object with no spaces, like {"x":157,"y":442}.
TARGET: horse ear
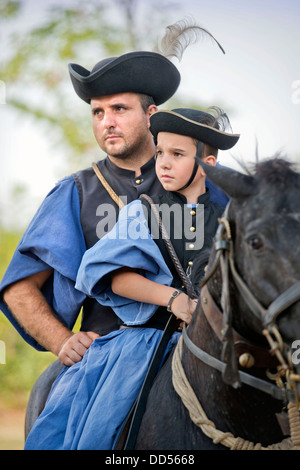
{"x":236,"y":185}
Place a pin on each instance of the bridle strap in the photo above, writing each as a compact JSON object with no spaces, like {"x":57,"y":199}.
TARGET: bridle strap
{"x":255,"y":306}
{"x":223,"y":243}
{"x":276,"y":392}
{"x":285,"y":300}
{"x":280,"y":304}
{"x":261,"y":354}
{"x":268,"y":315}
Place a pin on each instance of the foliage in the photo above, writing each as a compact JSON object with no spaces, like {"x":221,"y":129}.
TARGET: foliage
{"x":81,"y":32}
{"x":39,"y":61}
{"x":8,"y":8}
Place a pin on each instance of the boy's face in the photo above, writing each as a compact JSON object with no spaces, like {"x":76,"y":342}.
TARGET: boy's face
{"x":175,"y":158}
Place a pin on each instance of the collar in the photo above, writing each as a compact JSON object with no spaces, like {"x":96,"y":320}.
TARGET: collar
{"x":111,"y":167}
{"x":178,"y":197}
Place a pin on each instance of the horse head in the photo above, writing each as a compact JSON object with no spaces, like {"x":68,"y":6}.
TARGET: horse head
{"x":249,"y":301}
{"x":263,"y":228}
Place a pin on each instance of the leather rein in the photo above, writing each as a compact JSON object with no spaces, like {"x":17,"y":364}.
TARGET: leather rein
{"x":249,"y":354}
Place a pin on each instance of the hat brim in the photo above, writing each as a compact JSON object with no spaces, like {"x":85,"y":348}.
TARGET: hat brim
{"x":169,"y":121}
{"x":138,"y":72}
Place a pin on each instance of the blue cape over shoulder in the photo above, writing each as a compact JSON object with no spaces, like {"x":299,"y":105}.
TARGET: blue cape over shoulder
{"x":53,"y":240}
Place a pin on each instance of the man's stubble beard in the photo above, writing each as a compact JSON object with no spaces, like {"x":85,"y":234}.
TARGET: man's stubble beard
{"x":130,"y":151}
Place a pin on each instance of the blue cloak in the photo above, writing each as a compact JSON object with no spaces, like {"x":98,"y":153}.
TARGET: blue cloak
{"x":54,"y":240}
{"x":89,"y":401}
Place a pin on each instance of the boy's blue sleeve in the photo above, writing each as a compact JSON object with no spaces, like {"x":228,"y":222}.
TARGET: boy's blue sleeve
{"x":128,"y":244}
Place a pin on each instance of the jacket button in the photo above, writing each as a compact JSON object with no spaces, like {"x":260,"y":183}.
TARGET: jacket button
{"x":191,"y":246}
{"x":192,"y":229}
{"x":190,"y":263}
{"x":192,"y":212}
{"x":138,"y":181}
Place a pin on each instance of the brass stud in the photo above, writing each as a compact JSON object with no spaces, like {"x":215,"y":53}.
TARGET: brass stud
{"x":192,"y":229}
{"x":192,"y":212}
{"x":246,"y":360}
{"x":138,"y":181}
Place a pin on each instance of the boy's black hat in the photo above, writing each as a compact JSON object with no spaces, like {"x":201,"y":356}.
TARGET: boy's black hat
{"x":193,"y":123}
{"x":149,"y":73}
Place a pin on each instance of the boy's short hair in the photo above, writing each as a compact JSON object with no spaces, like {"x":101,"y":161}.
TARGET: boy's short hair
{"x":206,"y":149}
{"x":209,"y":150}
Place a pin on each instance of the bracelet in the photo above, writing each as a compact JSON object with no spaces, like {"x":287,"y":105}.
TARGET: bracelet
{"x":173,"y":297}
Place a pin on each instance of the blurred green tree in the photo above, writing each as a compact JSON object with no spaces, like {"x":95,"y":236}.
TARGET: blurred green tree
{"x":35,"y":66}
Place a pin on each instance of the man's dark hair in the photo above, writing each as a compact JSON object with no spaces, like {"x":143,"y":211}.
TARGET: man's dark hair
{"x":146,"y":101}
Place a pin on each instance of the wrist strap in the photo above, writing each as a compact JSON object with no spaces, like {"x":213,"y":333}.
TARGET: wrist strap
{"x":173,"y":297}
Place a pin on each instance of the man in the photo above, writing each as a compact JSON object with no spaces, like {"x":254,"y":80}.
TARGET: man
{"x":37,"y":291}
{"x":38,"y":287}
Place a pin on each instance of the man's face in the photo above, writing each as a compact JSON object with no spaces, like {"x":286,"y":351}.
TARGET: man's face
{"x":120,"y":125}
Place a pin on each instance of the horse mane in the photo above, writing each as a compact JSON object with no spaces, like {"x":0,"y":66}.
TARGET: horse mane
{"x":277,"y":171}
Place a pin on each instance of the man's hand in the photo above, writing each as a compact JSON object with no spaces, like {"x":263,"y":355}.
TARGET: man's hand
{"x":75,"y":346}
{"x":29,"y":306}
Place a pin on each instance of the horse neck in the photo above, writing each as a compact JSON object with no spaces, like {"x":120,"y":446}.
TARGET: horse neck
{"x":245,"y":412}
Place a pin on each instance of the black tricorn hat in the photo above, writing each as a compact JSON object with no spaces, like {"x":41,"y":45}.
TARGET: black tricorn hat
{"x":192,"y":123}
{"x":149,"y":73}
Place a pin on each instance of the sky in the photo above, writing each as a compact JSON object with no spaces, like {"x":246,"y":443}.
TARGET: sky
{"x":257,"y":82}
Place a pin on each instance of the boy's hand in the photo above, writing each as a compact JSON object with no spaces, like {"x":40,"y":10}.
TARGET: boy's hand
{"x":183,"y":307}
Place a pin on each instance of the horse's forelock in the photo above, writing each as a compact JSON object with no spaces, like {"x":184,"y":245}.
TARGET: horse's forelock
{"x":277,"y":171}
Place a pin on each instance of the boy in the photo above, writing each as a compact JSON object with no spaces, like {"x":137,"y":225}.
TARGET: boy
{"x":181,"y":135}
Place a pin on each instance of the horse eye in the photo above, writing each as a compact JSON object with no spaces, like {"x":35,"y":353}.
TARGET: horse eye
{"x":255,"y":242}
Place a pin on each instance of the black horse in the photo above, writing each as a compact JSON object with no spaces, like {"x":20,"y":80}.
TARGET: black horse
{"x":242,"y":335}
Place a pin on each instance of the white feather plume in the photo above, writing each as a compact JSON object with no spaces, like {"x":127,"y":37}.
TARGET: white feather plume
{"x":179,"y":36}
